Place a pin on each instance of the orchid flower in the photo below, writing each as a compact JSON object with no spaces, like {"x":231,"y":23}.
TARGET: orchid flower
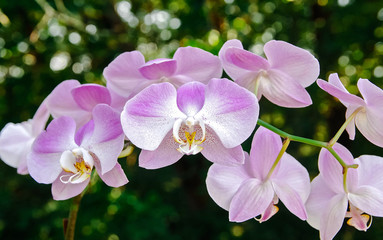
{"x":357,"y":195}
{"x":16,"y":139}
{"x":282,"y":78}
{"x":77,"y":101}
{"x":66,"y":158}
{"x":255,"y":187}
{"x":128,"y":74}
{"x":366,"y":114}
{"x":213,"y":119}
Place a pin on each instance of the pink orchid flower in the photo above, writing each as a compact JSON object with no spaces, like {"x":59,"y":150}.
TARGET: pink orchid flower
{"x":249,"y":190}
{"x":128,"y":74}
{"x":213,"y":119}
{"x":358,"y":198}
{"x":282,"y":78}
{"x":77,"y":101}
{"x":66,"y":158}
{"x":16,"y":139}
{"x":369,"y":116}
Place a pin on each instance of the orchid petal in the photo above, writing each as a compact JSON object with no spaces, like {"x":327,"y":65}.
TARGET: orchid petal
{"x":290,"y":198}
{"x":15,"y":143}
{"x":63,"y":191}
{"x":61,"y":103}
{"x":232,"y":70}
{"x":279,"y":88}
{"x":330,"y":168}
{"x":40,"y":119}
{"x":333,"y":216}
{"x":249,"y":81}
{"x":230,"y":110}
{"x":296,"y":62}
{"x":197,"y":64}
{"x":246,"y":60}
{"x":191,"y":97}
{"x":369,"y":124}
{"x":252,"y":199}
{"x":150,"y":115}
{"x":222,"y":182}
{"x":370,"y":170}
{"x":264,"y":151}
{"x":44,"y":167}
{"x":58,"y":137}
{"x":215,"y":151}
{"x":335,"y":88}
{"x":122,"y":74}
{"x":370,"y":92}
{"x":113,"y":178}
{"x":320,"y":196}
{"x":350,"y":128}
{"x":368,"y":199}
{"x":158,"y":68}
{"x":165,"y":155}
{"x":294,"y":174}
{"x":87,"y":96}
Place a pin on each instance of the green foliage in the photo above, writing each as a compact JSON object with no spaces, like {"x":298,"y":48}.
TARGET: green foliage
{"x":45,"y":42}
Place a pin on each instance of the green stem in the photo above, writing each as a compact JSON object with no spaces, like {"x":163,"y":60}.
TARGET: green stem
{"x":343,"y":127}
{"x":280,"y":154}
{"x":306,"y":141}
{"x":345,"y":170}
{"x":71,"y":224}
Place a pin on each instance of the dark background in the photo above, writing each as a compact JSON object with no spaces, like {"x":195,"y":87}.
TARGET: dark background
{"x":45,"y":42}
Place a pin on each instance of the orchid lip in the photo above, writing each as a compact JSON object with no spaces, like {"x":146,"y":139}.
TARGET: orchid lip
{"x":78,"y":163}
{"x":189,"y":144}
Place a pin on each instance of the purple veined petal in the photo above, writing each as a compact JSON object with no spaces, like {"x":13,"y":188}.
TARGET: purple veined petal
{"x":150,"y":115}
{"x":319,"y":197}
{"x":369,"y":170}
{"x":294,"y":174}
{"x":61,"y":103}
{"x":265,"y":148}
{"x":232,"y":70}
{"x":158,"y":68}
{"x":113,"y":178}
{"x":296,"y":62}
{"x":40,"y":119}
{"x":222,"y":182}
{"x":230,"y":111}
{"x":122,"y":74}
{"x":246,"y":60}
{"x":369,"y":124}
{"x":107,"y":140}
{"x":16,"y":142}
{"x":330,"y":168}
{"x":368,"y":199}
{"x":87,"y":96}
{"x":197,"y":64}
{"x":58,"y":137}
{"x":191,"y":97}
{"x":252,"y":199}
{"x":335,"y":88}
{"x":280,"y":89}
{"x":166,"y":154}
{"x":333,"y":216}
{"x":216,"y":152}
{"x":107,"y":124}
{"x":290,"y":198}
{"x":63,"y":191}
{"x":371,"y":93}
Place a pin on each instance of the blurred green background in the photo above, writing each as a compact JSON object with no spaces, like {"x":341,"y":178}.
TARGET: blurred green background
{"x":45,"y":42}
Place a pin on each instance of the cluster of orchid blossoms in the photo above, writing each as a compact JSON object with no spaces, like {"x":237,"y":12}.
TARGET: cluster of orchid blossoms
{"x":182,"y":106}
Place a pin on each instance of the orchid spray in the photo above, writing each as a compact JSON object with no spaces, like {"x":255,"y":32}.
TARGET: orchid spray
{"x":170,"y":108}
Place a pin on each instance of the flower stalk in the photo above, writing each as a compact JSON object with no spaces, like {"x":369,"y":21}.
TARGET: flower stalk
{"x":279,"y":157}
{"x":70,"y":224}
